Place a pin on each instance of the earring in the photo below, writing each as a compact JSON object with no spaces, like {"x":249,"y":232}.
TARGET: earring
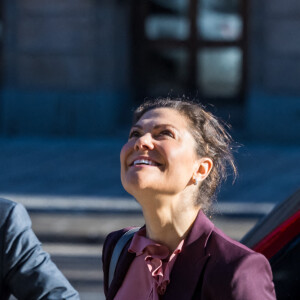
{"x":196,"y":181}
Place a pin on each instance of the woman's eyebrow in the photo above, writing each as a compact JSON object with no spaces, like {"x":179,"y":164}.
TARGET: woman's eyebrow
{"x":136,"y":126}
{"x":164,"y":125}
{"x":155,"y":127}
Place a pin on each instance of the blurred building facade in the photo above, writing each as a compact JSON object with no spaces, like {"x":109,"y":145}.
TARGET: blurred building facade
{"x":76,"y":67}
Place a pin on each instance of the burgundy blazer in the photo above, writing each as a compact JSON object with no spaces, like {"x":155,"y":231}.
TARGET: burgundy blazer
{"x":210,"y":266}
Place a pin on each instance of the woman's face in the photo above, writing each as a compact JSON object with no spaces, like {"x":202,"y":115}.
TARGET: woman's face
{"x":160,"y":154}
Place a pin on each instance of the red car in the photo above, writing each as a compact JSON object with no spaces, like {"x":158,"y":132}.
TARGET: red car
{"x":277,"y":236}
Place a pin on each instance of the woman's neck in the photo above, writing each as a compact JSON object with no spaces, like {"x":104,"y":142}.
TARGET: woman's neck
{"x":168,"y":222}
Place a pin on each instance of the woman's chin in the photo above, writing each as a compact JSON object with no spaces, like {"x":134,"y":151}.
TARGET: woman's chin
{"x":139,"y":188}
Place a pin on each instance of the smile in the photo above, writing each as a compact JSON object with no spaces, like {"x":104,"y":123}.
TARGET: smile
{"x":146,"y":162}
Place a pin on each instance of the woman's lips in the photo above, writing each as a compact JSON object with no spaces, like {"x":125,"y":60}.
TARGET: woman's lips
{"x":144,"y":162}
{"x":140,"y":161}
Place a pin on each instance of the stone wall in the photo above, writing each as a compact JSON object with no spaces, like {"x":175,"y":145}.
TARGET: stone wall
{"x":274,"y":63}
{"x":66,"y":66}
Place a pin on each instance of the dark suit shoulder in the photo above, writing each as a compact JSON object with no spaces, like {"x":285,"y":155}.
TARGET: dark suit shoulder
{"x":6,"y":207}
{"x":13,"y":216}
{"x":5,"y":203}
{"x":23,"y":260}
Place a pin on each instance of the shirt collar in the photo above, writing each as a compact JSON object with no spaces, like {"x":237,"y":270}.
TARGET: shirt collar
{"x":141,"y":244}
{"x":201,"y":228}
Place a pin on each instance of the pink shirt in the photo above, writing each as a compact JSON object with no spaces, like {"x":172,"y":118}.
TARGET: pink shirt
{"x":149,"y":273}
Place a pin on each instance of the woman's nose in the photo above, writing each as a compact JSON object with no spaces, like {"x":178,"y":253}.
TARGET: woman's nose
{"x":144,"y":142}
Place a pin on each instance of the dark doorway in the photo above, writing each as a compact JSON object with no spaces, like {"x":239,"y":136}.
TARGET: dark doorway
{"x":195,"y":48}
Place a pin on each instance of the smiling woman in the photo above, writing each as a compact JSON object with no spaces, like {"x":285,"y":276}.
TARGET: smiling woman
{"x":161,"y":136}
{"x":174,"y":160}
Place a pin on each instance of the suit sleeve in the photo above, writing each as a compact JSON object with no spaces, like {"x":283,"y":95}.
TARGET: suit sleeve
{"x":252,"y":279}
{"x":28,"y":271}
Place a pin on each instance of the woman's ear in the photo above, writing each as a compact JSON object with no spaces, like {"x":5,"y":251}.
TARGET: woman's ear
{"x":205,"y":165}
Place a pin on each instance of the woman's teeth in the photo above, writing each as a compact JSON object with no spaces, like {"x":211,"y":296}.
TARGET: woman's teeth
{"x":144,"y":162}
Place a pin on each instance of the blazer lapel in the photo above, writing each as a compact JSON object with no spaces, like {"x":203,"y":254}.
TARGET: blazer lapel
{"x":190,"y":263}
{"x":186,"y":277}
{"x":188,"y":267}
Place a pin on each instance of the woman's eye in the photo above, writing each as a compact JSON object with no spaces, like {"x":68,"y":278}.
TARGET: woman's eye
{"x":134,"y":133}
{"x":168,"y":133}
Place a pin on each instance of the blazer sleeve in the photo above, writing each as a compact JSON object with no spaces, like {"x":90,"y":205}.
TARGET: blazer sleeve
{"x":28,"y":271}
{"x":252,"y":279}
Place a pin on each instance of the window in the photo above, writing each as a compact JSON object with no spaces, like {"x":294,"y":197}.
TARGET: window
{"x":191,"y":47}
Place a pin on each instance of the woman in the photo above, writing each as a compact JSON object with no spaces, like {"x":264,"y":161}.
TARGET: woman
{"x":175,"y":158}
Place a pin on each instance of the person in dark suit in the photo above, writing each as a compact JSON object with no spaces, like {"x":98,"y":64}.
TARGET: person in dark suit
{"x":26,"y":270}
{"x":176,"y":157}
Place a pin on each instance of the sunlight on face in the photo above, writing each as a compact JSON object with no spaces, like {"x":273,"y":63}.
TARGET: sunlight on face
{"x":160,"y":155}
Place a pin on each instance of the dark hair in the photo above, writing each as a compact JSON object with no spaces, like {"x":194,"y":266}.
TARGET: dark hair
{"x":212,"y":141}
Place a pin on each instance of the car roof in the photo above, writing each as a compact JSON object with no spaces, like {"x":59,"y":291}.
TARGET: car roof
{"x":281,"y":212}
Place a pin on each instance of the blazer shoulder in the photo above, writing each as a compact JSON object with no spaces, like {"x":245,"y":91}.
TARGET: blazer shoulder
{"x":108,"y":248}
{"x":234,"y":265}
{"x":6,"y":206}
{"x":226,"y":247}
{"x":112,"y":239}
{"x":14,"y":215}
{"x":226,"y":255}
{"x":8,"y":209}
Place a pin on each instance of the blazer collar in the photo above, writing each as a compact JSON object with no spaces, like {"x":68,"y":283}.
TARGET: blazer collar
{"x":188,"y":266}
{"x":191,"y":262}
{"x":200,"y":231}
